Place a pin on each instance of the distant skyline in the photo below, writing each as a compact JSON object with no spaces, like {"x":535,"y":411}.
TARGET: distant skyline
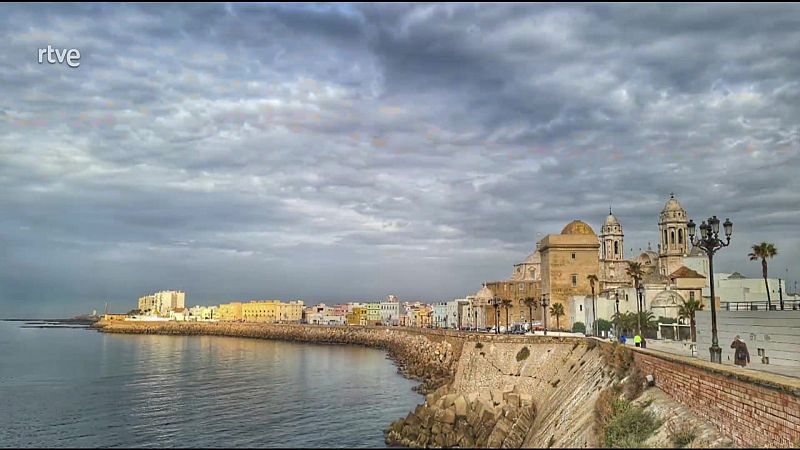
{"x":345,"y":152}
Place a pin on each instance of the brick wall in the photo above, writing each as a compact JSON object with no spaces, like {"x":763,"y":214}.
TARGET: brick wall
{"x":753,"y":411}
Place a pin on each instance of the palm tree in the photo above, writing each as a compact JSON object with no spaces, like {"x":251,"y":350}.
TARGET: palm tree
{"x":636,"y":272}
{"x":507,"y":305}
{"x":763,"y":251}
{"x":687,"y":311}
{"x":592,"y":280}
{"x":557,"y":310}
{"x":532,"y":304}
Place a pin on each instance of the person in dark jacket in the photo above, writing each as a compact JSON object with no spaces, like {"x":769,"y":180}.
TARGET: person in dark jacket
{"x":740,"y":354}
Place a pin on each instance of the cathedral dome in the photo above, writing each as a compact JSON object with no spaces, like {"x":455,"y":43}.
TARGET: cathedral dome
{"x":484,"y":295}
{"x":578,"y":227}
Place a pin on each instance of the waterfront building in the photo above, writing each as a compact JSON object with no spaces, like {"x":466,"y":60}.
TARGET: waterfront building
{"x":357,"y":316}
{"x":231,"y":312}
{"x":162,"y":303}
{"x":260,"y":311}
{"x":439,"y":318}
{"x":423,"y":316}
{"x":291,"y":312}
{"x":456,"y":313}
{"x":390,"y":311}
{"x":203,"y":313}
{"x":373,"y":313}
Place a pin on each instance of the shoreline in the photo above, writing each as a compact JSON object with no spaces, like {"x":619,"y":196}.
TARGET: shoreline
{"x":431,"y":362}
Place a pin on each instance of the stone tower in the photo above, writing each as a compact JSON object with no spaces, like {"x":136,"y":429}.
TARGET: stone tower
{"x":611,"y":239}
{"x":674,"y":240}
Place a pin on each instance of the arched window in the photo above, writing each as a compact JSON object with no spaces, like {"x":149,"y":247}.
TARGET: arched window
{"x":680,"y":237}
{"x":665,"y":238}
{"x":672,"y":237}
{"x":616,"y":248}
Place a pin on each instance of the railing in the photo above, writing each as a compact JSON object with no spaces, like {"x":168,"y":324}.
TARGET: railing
{"x":788,"y":305}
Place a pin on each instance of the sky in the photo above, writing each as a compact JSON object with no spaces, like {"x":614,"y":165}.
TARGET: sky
{"x":345,"y":152}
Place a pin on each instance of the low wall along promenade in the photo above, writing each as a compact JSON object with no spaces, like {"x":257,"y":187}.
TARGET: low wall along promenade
{"x":536,"y":391}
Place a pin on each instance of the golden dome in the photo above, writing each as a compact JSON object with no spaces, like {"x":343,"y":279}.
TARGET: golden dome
{"x":578,"y":227}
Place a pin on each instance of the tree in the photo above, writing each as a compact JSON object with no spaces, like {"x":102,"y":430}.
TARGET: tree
{"x":507,"y":305}
{"x":687,"y":311}
{"x":592,"y":280}
{"x":532,"y":304}
{"x":763,"y":251}
{"x":636,"y":272}
{"x":557,"y":310}
{"x":603,"y":325}
{"x":579,"y":327}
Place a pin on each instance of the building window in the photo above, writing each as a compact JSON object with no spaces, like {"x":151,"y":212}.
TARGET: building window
{"x":574,"y":280}
{"x":616,"y":248}
{"x":691,"y":295}
{"x":680,"y":237}
{"x":521,"y":286}
{"x":573,"y":255}
{"x":580,"y":307}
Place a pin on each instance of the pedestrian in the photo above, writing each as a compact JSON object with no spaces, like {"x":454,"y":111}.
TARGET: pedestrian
{"x":740,"y":354}
{"x":623,"y":339}
{"x":637,"y":340}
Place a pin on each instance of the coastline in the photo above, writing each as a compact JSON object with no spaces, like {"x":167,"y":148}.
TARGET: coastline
{"x":427,"y":357}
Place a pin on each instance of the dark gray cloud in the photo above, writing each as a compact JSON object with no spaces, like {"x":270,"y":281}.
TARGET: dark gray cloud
{"x":336,"y":152}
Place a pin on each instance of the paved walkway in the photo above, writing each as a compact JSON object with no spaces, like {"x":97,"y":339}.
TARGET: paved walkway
{"x":683,"y":348}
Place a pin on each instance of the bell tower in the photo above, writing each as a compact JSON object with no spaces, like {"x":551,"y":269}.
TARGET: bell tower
{"x":673,"y":236}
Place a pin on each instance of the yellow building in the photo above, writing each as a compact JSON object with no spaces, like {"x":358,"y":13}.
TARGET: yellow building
{"x":231,"y":312}
{"x":358,"y":316}
{"x":260,"y":311}
{"x":373,"y":313}
{"x":567,"y":259}
{"x":423,"y":316}
{"x":291,"y":312}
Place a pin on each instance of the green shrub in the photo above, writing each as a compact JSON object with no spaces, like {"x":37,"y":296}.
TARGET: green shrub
{"x":628,"y":425}
{"x":681,"y":433}
{"x":523,"y":354}
{"x":579,"y":327}
{"x":603,"y":325}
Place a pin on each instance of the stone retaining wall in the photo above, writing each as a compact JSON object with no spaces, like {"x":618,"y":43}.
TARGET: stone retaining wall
{"x":754,"y":409}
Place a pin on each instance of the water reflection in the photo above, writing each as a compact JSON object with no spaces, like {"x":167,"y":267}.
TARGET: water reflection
{"x":81,"y":388}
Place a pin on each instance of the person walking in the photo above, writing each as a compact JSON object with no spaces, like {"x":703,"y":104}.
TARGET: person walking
{"x":740,"y":354}
{"x":623,"y":339}
{"x":637,"y":340}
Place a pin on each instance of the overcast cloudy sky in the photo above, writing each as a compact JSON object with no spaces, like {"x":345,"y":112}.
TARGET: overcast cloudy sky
{"x":343,"y":152}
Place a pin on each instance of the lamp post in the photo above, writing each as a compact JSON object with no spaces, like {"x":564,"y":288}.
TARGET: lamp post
{"x":616,"y":324}
{"x":710,"y":242}
{"x":545,"y":303}
{"x":639,"y":294}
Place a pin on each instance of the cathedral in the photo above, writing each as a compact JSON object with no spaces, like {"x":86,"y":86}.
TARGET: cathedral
{"x":562,"y":265}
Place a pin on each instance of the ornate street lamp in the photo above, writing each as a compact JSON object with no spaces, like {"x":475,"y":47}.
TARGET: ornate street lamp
{"x":639,"y":307}
{"x":545,"y":303}
{"x":616,"y":296}
{"x":710,"y":242}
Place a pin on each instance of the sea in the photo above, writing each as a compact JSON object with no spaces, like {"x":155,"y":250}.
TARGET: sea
{"x":68,"y":386}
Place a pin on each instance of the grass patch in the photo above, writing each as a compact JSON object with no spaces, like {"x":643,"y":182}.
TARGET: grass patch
{"x":523,"y":354}
{"x":681,"y":434}
{"x":619,"y":423}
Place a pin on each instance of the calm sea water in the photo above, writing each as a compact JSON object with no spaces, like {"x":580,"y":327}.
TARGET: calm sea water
{"x":80,"y":388}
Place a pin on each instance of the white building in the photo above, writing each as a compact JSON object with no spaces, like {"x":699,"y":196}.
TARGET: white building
{"x":440,"y":317}
{"x":390,"y":311}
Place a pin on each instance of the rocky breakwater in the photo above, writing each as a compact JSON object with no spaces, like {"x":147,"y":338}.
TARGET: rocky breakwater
{"x":426,"y":356}
{"x":486,"y":419}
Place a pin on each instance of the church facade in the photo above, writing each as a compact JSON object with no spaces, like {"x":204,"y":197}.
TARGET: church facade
{"x":562,"y":263}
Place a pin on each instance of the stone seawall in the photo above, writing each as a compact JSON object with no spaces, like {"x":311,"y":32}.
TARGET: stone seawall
{"x":755,"y":409}
{"x":424,"y":356}
{"x":496,"y":391}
